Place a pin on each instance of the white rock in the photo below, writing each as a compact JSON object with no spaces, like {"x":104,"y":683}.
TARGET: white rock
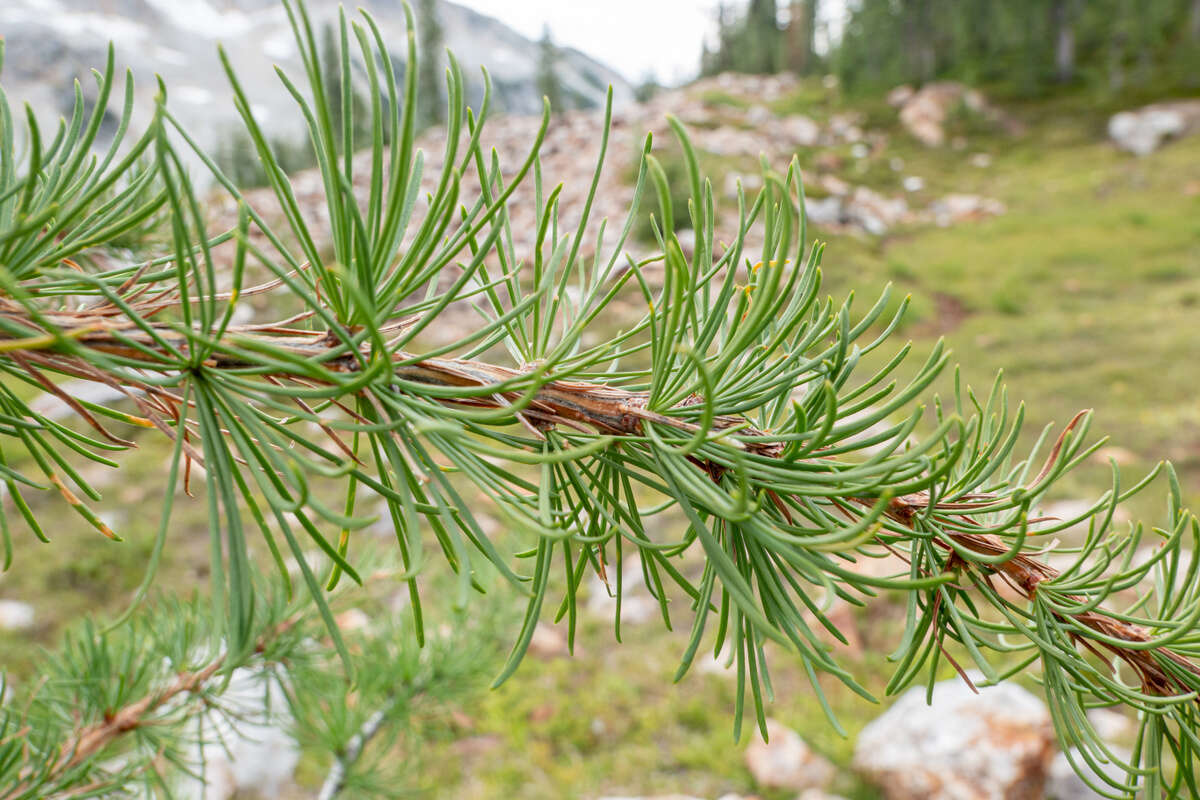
{"x":15,"y":615}
{"x":548,"y":641}
{"x":786,"y":762}
{"x":719,"y":664}
{"x":1064,"y":510}
{"x":824,"y":210}
{"x":51,"y":407}
{"x":873,"y":212}
{"x":1143,"y":130}
{"x":637,"y":606}
{"x":759,"y":115}
{"x":1110,"y":724}
{"x":900,"y":95}
{"x":913,"y":183}
{"x":800,"y":130}
{"x":845,"y":127}
{"x":835,"y":185}
{"x":1064,"y":783}
{"x":727,"y":141}
{"x":996,"y":745}
{"x":924,"y":112}
{"x":353,"y":619}
{"x":960,"y":207}
{"x":254,"y":754}
{"x":750,"y":182}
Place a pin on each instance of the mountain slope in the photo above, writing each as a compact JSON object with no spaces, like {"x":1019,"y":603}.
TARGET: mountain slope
{"x":49,"y":43}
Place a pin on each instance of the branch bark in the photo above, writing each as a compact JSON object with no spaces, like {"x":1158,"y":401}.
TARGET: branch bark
{"x":595,"y":406}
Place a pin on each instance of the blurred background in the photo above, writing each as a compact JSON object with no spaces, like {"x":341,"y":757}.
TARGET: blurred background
{"x":1028,"y":170}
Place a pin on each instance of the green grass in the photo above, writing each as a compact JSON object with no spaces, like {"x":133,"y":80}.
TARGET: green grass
{"x":1085,"y":292}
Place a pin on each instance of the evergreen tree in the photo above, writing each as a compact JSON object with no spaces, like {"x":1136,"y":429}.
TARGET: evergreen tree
{"x":726,"y":39}
{"x":1029,"y":45}
{"x":1063,"y":16}
{"x":432,"y":108}
{"x":800,"y":35}
{"x":347,"y":109}
{"x":751,"y":43}
{"x":761,"y":39}
{"x":547,"y":81}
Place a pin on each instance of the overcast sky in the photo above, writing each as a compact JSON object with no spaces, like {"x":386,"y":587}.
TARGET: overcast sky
{"x":634,"y":37}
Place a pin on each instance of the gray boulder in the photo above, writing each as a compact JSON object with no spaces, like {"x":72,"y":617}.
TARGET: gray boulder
{"x":1143,"y":130}
{"x":786,"y":761}
{"x":996,"y":745}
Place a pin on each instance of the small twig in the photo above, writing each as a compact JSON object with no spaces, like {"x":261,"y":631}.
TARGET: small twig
{"x":335,"y":781}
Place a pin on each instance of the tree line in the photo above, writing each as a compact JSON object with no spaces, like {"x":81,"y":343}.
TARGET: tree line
{"x":1028,"y":47}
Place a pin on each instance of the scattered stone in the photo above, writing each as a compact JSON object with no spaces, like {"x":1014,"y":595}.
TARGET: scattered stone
{"x":759,"y":114}
{"x":353,"y":619}
{"x":818,"y":794}
{"x":900,"y":95}
{"x":51,"y":407}
{"x":543,"y":713}
{"x":750,"y":182}
{"x":1110,"y":725}
{"x":548,"y":641}
{"x":913,"y":183}
{"x":475,"y":746}
{"x":786,"y":762}
{"x":835,"y":185}
{"x":255,"y":753}
{"x":924,"y":112}
{"x":824,"y":210}
{"x":725,"y":141}
{"x":841,"y":615}
{"x":828,"y":161}
{"x":800,"y":130}
{"x":873,"y":212}
{"x":846,"y":127}
{"x":954,"y":208}
{"x":568,"y":157}
{"x":460,"y":721}
{"x":1143,"y":130}
{"x":1122,"y":455}
{"x":15,"y":615}
{"x":1063,"y":783}
{"x":1063,"y":510}
{"x":719,"y":664}
{"x":980,"y":160}
{"x":637,"y":606}
{"x":687,"y":241}
{"x":996,"y":745}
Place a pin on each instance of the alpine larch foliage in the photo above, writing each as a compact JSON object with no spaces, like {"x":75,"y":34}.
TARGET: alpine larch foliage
{"x":737,"y":401}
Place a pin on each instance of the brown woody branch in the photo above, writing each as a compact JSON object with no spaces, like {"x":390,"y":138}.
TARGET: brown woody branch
{"x":593,"y":406}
